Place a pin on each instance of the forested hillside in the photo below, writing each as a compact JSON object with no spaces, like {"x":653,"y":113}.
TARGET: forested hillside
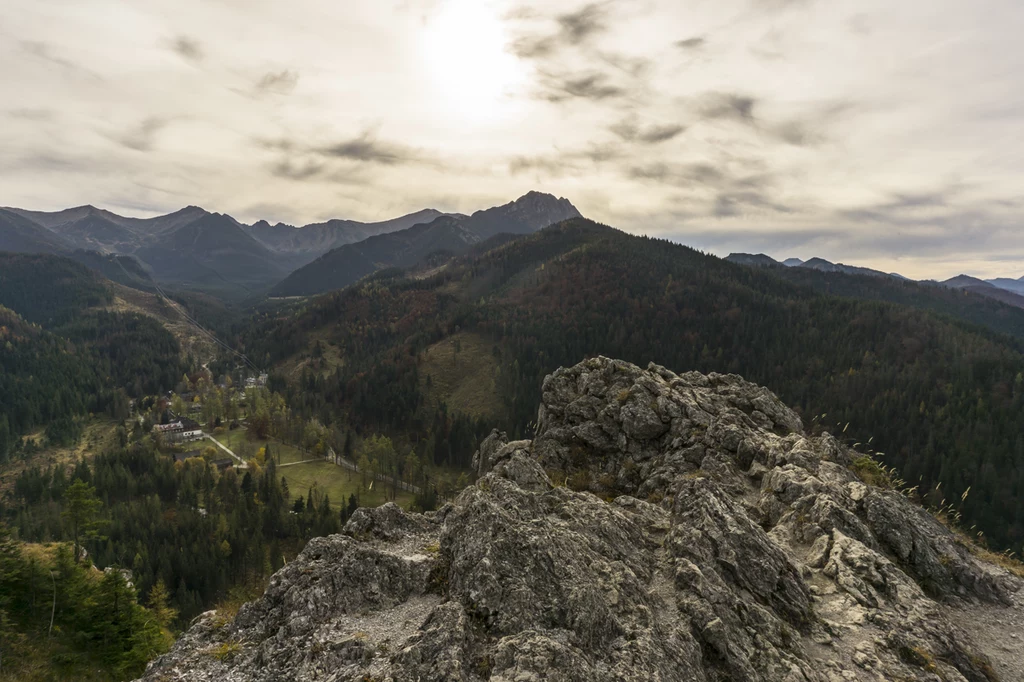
{"x":966,"y":306}
{"x":64,"y":355}
{"x":49,"y":290}
{"x":943,"y":400}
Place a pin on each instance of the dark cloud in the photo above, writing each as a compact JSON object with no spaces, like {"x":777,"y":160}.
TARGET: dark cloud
{"x":280,"y":83}
{"x":189,"y":49}
{"x":904,"y":209}
{"x":567,"y":162}
{"x":534,"y":47}
{"x":574,"y":29}
{"x":586,"y":22}
{"x":798,"y":133}
{"x":297,"y":171}
{"x":593,"y":86}
{"x":630,"y":131}
{"x":365,"y":148}
{"x":730,"y":204}
{"x":637,"y":67}
{"x":695,"y":43}
{"x":729,"y":106}
{"x":143,"y":136}
{"x":704,"y":174}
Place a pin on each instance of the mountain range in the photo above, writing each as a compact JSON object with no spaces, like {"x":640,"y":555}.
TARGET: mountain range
{"x":451,"y":234}
{"x":212,"y":252}
{"x":1009,"y":291}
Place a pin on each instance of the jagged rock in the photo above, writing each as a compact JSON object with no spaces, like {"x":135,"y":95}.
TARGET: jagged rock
{"x":722,"y":544}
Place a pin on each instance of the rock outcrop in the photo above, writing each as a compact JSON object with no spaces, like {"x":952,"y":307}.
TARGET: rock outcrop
{"x":658,"y":527}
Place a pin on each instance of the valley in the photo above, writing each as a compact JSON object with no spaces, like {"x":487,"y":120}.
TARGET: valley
{"x":373,"y":373}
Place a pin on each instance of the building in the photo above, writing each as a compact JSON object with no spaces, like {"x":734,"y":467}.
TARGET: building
{"x":223,"y":463}
{"x":182,"y":430}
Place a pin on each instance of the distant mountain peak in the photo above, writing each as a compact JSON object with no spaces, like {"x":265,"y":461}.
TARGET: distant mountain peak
{"x":751,"y":259}
{"x":961,"y":281}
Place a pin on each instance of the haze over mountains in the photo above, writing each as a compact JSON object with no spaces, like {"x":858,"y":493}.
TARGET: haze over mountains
{"x":214,"y":252}
{"x":1009,"y":291}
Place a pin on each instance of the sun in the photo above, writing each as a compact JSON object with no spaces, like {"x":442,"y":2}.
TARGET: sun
{"x":471,"y":69}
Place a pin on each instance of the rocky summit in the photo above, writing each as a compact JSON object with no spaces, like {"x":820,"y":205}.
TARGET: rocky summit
{"x":658,"y":527}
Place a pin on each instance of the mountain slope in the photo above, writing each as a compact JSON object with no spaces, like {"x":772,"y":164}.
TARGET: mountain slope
{"x":758,"y":259}
{"x":212,"y":252}
{"x":57,"y":291}
{"x":454,"y":234}
{"x":316,"y":239}
{"x":982,"y":308}
{"x":915,"y":383}
{"x":758,"y":555}
{"x":20,"y":235}
{"x":350,"y":263}
{"x":986,"y":289}
{"x":1014,"y":285}
{"x":823,"y":265}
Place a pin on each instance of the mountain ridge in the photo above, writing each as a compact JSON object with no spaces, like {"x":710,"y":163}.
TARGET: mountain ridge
{"x":451,"y":234}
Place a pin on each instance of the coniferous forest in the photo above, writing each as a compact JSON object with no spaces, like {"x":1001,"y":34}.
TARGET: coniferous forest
{"x":939,"y":397}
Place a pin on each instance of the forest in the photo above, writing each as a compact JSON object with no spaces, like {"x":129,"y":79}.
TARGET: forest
{"x":65,"y":355}
{"x":940,"y":398}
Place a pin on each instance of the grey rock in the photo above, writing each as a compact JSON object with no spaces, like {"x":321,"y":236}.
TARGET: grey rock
{"x":710,"y":540}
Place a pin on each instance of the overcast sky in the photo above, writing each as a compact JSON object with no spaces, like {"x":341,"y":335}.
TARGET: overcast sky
{"x":871,"y":132}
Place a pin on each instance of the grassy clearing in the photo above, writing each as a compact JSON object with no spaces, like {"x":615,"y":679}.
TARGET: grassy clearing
{"x":338,"y":483}
{"x":462,"y":371}
{"x":167,"y":313}
{"x":98,"y":435}
{"x":238,"y":441}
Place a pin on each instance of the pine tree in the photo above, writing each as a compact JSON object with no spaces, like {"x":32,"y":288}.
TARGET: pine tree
{"x":80,"y":509}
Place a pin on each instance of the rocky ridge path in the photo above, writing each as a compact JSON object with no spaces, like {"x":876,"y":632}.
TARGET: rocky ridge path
{"x":716,"y":542}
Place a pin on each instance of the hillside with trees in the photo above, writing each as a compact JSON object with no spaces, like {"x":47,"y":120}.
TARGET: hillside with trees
{"x":65,"y":354}
{"x":938,"y":398}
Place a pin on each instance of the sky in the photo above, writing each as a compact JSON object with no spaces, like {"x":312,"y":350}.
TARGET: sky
{"x":870,"y":132}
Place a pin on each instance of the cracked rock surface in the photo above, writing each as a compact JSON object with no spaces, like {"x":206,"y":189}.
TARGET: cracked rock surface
{"x":703,"y":536}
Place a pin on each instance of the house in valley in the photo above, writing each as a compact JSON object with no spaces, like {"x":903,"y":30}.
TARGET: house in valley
{"x":180,"y":430}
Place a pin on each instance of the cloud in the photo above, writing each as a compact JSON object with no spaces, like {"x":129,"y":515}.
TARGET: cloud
{"x":728,"y":106}
{"x":574,"y":29}
{"x":565,"y":162}
{"x":44,"y":52}
{"x":680,"y":173}
{"x":695,"y":43}
{"x":630,"y":131}
{"x":592,"y":86}
{"x":31,"y":114}
{"x":188,"y":49}
{"x":366,"y":148}
{"x":142,"y":137}
{"x":588,"y":21}
{"x":730,"y":204}
{"x":281,"y":83}
{"x":534,"y":47}
{"x":302,"y":171}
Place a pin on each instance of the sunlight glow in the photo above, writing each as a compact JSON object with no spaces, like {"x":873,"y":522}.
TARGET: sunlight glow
{"x":472,"y":71}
